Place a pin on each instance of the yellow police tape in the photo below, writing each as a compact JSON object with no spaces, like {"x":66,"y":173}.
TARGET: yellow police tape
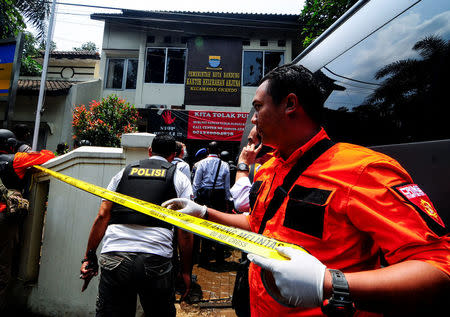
{"x":243,"y":240}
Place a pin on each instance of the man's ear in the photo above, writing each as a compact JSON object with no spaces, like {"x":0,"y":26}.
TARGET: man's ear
{"x":150,"y":153}
{"x":291,"y":103}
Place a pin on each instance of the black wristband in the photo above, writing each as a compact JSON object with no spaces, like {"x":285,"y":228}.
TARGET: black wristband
{"x":340,"y":302}
{"x":206,"y":214}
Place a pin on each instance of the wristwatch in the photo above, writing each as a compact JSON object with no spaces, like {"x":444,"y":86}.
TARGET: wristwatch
{"x":243,"y":167}
{"x":340,"y":302}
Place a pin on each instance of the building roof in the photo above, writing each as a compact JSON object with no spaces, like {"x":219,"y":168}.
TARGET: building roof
{"x":206,"y":23}
{"x":73,"y":54}
{"x":53,"y":87}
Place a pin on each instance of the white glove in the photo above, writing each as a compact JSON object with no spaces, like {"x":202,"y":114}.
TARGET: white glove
{"x":299,"y":280}
{"x":185,"y":206}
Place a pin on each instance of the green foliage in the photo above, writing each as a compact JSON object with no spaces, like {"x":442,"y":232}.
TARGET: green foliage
{"x":43,"y":44}
{"x":103,"y":122}
{"x":14,"y":13}
{"x":318,"y":15}
{"x":11,"y":20}
{"x":88,"y":46}
{"x":29,"y":66}
{"x":35,"y":12}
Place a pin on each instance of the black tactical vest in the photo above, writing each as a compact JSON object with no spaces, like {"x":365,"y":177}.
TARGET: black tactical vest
{"x":149,"y":180}
{"x":7,"y":174}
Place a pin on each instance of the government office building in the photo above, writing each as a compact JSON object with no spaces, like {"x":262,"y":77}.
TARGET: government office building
{"x":193,"y":74}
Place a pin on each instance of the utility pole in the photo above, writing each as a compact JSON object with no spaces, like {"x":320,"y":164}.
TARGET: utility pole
{"x":43,"y":77}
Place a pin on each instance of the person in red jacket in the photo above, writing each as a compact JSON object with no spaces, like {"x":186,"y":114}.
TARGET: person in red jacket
{"x":13,"y":169}
{"x":348,"y":206}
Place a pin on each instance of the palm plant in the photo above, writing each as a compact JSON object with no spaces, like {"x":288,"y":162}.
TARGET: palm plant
{"x":14,"y":14}
{"x":413,"y":89}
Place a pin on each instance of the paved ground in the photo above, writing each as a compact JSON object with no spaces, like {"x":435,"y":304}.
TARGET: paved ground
{"x":215,"y":284}
{"x":212,"y":291}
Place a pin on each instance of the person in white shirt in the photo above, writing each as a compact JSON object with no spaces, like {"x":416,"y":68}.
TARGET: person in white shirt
{"x":136,"y":257}
{"x":206,"y":174}
{"x":211,"y":187}
{"x":180,"y":154}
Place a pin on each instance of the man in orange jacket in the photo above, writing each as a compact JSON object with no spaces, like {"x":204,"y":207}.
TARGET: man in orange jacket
{"x":347,"y":205}
{"x":13,"y":169}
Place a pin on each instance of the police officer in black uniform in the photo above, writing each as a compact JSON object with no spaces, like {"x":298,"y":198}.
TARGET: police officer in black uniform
{"x":136,"y":256}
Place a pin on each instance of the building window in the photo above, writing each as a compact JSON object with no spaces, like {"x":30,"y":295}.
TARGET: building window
{"x":165,"y":65}
{"x":121,"y":73}
{"x":281,"y":43}
{"x":258,"y":63}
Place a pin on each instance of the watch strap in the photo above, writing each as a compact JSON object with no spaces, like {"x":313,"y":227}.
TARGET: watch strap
{"x":340,"y":302}
{"x":340,"y":285}
{"x":242,"y":167}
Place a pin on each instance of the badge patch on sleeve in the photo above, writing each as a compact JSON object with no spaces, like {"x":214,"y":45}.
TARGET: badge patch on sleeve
{"x":414,"y":195}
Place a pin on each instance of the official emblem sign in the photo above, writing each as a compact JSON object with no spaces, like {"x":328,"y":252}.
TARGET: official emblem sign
{"x":420,"y":200}
{"x":214,"y":61}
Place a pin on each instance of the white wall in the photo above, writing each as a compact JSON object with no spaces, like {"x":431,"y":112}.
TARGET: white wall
{"x":70,"y":215}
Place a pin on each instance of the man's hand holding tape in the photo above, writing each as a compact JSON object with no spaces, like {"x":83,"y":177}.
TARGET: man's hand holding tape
{"x":186,"y":206}
{"x":299,"y":280}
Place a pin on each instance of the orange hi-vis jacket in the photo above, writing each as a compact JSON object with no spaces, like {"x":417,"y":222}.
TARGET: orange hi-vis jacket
{"x":348,"y":208}
{"x":20,"y":163}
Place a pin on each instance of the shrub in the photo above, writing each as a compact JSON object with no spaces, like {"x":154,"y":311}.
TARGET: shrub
{"x":103,"y":122}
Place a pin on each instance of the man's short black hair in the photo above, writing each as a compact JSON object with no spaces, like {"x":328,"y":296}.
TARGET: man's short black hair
{"x":213,"y":148}
{"x":163,"y":145}
{"x":178,"y":148}
{"x":292,"y":78}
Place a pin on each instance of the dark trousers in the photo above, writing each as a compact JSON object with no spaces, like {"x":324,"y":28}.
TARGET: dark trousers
{"x":125,"y":275}
{"x":214,"y":199}
{"x":9,"y":239}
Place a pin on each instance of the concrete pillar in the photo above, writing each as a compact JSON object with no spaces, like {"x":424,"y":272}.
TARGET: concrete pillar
{"x":135,"y":146}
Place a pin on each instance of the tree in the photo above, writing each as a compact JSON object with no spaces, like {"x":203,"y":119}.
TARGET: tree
{"x":29,"y":66}
{"x":14,"y":14}
{"x":103,"y":122}
{"x":318,"y":15}
{"x":414,"y":90}
{"x":43,"y":44}
{"x":88,"y":46}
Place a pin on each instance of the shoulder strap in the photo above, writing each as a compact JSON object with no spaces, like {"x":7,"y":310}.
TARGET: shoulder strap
{"x":217,"y":174}
{"x":302,"y":164}
{"x":251,"y":172}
